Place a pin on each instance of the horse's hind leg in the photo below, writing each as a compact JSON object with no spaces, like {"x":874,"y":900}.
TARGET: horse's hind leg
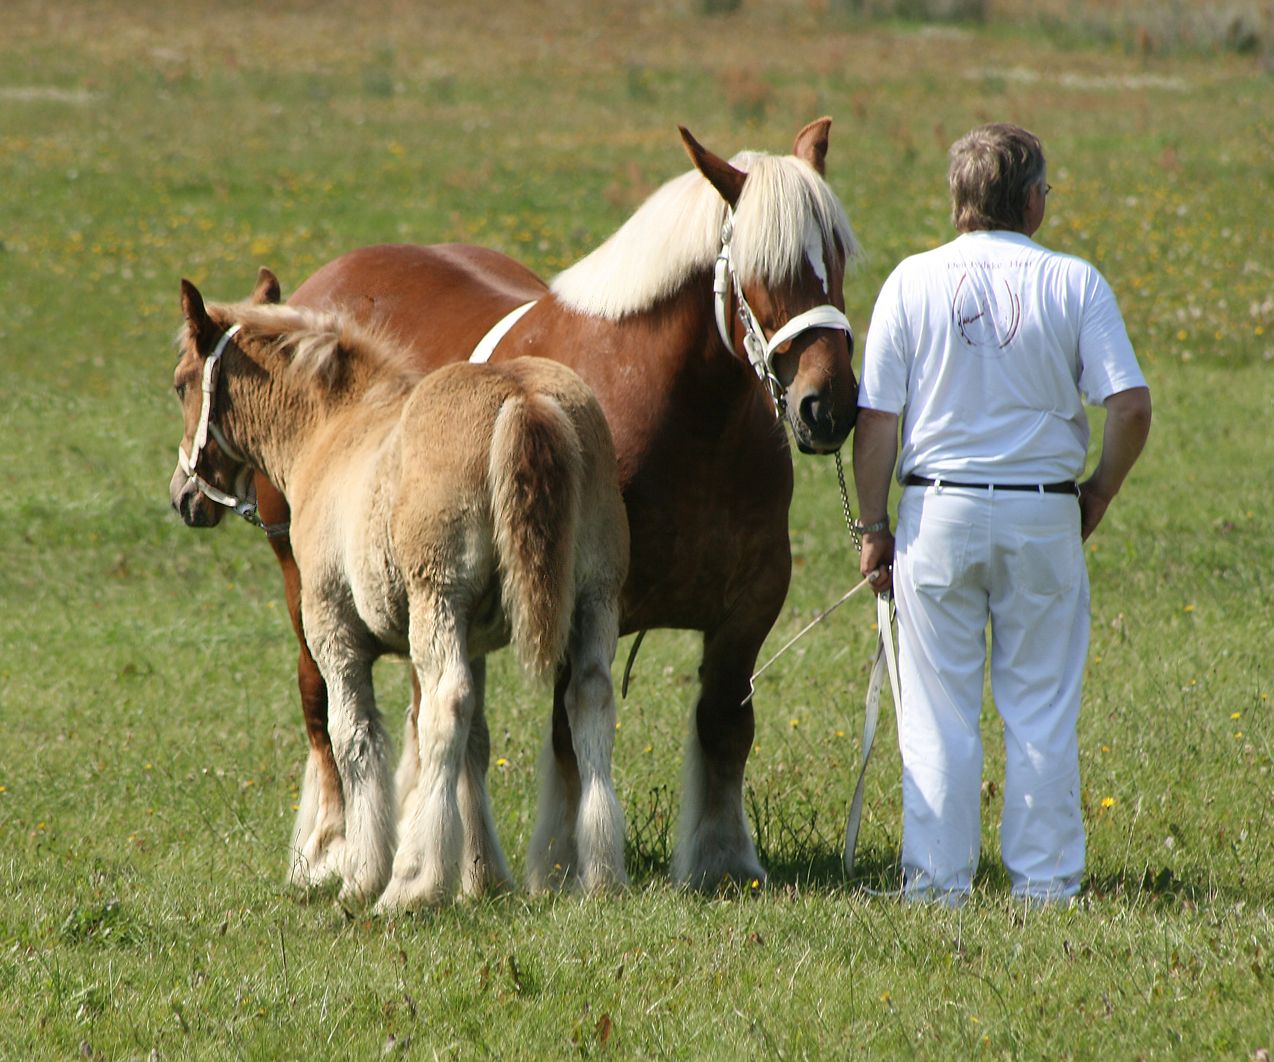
{"x":408,"y":773}
{"x":427,"y":866}
{"x":483,"y":866}
{"x":552,"y":855}
{"x":598,"y":828}
{"x":590,"y":707}
{"x":483,"y":862}
{"x":714,"y":840}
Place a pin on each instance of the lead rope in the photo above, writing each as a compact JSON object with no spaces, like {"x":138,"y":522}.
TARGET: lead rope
{"x":884,"y":663}
{"x":854,"y":533}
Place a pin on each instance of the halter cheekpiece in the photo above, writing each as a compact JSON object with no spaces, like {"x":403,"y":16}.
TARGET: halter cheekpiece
{"x":243,"y":502}
{"x":760,"y":351}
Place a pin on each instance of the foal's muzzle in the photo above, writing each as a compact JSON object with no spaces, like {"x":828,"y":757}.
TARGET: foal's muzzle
{"x":194,"y":508}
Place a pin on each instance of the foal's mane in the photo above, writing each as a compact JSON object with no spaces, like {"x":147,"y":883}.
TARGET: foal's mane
{"x":326,"y":347}
{"x":676,"y":232}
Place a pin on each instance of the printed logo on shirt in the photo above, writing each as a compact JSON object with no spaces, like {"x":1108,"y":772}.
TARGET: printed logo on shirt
{"x":987,"y":313}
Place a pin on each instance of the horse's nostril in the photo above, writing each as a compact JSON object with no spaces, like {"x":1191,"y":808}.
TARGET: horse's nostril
{"x":810,"y":408}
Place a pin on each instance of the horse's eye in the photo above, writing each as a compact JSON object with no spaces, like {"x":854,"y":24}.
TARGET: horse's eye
{"x":181,"y":391}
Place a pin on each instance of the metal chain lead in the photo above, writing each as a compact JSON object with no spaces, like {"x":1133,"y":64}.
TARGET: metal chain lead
{"x":854,"y":533}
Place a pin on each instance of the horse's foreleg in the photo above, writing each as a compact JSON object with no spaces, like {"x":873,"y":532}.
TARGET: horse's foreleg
{"x":360,"y":749}
{"x":318,"y":832}
{"x":590,"y":708}
{"x":551,"y":857}
{"x":714,"y":839}
{"x":483,"y":865}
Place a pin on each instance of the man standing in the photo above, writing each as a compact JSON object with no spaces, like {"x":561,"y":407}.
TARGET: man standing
{"x":985,"y":349}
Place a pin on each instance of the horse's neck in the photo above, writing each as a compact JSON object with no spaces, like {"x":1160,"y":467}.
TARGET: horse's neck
{"x":270,"y":417}
{"x":677,"y":334}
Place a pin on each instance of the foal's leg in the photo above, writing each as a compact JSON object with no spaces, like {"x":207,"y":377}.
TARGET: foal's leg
{"x":483,"y":866}
{"x":427,"y":866}
{"x":319,"y":830}
{"x":318,"y":835}
{"x":408,"y":773}
{"x":590,"y":708}
{"x":714,"y":840}
{"x":552,"y":856}
{"x":362,"y":757}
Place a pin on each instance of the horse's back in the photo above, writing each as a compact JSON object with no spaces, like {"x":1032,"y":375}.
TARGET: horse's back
{"x":512,"y":466}
{"x":438,"y":300}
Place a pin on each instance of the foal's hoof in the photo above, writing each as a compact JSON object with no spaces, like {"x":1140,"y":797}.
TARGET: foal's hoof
{"x":608,"y":884}
{"x":413,"y":886}
{"x":313,"y":870}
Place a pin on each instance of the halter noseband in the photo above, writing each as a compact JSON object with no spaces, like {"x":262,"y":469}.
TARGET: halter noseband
{"x":760,"y":351}
{"x":245,"y":503}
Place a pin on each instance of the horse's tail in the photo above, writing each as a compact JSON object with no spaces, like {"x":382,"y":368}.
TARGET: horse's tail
{"x":536,"y":469}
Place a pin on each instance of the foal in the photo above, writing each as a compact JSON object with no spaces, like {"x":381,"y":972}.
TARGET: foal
{"x":441,"y":516}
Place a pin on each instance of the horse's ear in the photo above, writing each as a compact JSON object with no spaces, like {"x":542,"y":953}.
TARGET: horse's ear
{"x":267,"y":291}
{"x":194,"y":311}
{"x":811,"y":143}
{"x":720,"y":174}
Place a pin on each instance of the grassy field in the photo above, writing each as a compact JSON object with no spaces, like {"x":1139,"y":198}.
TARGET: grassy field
{"x":150,"y":743}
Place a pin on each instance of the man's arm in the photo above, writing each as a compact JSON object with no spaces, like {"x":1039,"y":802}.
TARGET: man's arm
{"x":875,"y":451}
{"x":1127,"y":425}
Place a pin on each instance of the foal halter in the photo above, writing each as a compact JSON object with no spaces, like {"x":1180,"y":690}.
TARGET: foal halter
{"x":760,"y":351}
{"x":245,"y":503}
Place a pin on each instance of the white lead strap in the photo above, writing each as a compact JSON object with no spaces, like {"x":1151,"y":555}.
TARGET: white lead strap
{"x":886,"y":663}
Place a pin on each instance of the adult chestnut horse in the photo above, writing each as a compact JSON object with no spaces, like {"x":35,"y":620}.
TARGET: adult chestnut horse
{"x":716,"y":306}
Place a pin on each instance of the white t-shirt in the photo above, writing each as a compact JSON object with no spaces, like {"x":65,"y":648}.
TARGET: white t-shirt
{"x":986,"y":347}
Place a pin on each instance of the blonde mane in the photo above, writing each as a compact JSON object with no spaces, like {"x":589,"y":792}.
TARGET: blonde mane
{"x":677,"y":232}
{"x":324,"y":347}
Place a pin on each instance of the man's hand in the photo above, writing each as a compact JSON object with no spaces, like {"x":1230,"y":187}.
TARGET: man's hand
{"x":876,"y":562}
{"x":1092,"y":507}
{"x":875,"y":450}
{"x":1127,"y":425}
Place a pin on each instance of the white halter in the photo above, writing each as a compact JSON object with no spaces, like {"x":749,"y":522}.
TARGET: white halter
{"x":760,"y":351}
{"x":243,"y":501}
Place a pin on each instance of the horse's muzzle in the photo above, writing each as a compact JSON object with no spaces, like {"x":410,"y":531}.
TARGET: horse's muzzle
{"x":819,"y":425}
{"x":194,"y":509}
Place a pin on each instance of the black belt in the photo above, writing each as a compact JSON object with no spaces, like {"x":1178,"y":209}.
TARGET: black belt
{"x":1068,"y":487}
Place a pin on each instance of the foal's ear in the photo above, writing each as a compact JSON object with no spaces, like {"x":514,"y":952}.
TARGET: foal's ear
{"x":267,"y":290}
{"x":811,"y":143}
{"x":193,"y":309}
{"x":721,"y":175}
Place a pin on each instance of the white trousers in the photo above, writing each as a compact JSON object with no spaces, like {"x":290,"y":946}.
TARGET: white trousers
{"x":965,"y":557}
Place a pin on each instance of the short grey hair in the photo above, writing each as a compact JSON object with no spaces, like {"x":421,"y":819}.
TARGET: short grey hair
{"x":991,"y":173}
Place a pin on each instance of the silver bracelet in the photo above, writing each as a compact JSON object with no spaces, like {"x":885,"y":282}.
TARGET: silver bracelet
{"x":867,"y":529}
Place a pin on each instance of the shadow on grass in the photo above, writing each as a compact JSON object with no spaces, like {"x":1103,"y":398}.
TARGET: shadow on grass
{"x":1164,"y":890}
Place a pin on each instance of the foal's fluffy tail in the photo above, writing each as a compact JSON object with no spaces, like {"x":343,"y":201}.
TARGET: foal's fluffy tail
{"x":536,"y":470}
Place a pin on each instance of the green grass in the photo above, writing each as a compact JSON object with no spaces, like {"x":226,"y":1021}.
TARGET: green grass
{"x":150,"y":742}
